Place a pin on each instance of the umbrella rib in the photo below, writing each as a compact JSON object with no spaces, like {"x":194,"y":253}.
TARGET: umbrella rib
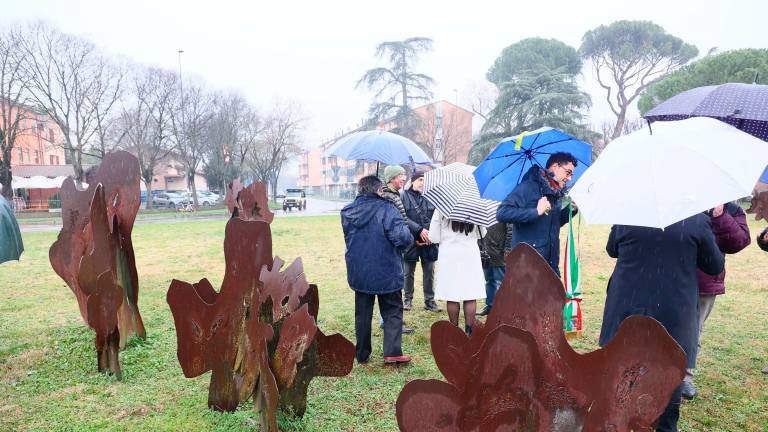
{"x":585,"y":163}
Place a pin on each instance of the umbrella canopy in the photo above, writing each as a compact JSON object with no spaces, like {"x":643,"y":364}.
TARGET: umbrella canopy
{"x":744,"y":106}
{"x":506,"y":165}
{"x":453,"y":191}
{"x":683,"y":168}
{"x":378,"y":145}
{"x":11,"y":245}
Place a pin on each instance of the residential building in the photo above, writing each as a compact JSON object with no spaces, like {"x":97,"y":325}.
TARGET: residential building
{"x":444,"y":132}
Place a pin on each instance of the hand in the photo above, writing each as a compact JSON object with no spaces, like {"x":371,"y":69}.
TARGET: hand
{"x":543,"y":206}
{"x":425,"y":236}
{"x":717,"y":211}
{"x":765,"y":237}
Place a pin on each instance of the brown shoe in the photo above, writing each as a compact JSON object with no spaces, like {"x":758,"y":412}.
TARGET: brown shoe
{"x":397,"y":359}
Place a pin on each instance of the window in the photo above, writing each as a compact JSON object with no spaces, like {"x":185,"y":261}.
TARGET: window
{"x":37,"y":157}
{"x":52,"y":159}
{"x":51,"y":138}
{"x":21,"y":154}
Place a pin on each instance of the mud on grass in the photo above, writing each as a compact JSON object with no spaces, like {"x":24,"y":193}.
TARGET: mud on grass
{"x":48,"y":379}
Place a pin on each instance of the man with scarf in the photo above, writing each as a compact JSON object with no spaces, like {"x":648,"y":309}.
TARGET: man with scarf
{"x":534,"y":207}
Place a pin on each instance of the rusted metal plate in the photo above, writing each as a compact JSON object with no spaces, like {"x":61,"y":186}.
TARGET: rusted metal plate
{"x":248,"y":203}
{"x":259,"y":334}
{"x":94,"y":253}
{"x":518,"y":372}
{"x":759,"y":206}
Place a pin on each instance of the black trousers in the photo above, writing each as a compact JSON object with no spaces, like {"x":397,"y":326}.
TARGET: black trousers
{"x":670,"y":416}
{"x":428,"y":276}
{"x":391,"y":309}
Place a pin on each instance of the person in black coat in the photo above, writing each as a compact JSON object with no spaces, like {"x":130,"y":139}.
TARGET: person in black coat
{"x":375,"y":236}
{"x":656,"y":276}
{"x":534,"y":207}
{"x":420,"y":211}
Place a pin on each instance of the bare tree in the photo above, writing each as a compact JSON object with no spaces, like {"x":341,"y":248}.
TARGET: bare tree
{"x":14,"y":109}
{"x":110,"y":89}
{"x":232,"y":135}
{"x":145,"y":121}
{"x":481,"y":98}
{"x":189,"y":122}
{"x":70,"y":83}
{"x":279,"y":142}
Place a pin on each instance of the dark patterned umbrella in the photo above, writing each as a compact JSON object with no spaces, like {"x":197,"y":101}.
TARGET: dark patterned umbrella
{"x":744,"y":106}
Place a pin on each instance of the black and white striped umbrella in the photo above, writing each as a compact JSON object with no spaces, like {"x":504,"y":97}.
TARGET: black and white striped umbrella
{"x":452,"y":189}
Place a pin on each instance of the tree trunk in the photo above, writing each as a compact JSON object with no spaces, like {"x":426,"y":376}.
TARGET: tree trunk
{"x":148,"y":184}
{"x":6,"y":176}
{"x":619,"y":127}
{"x":191,"y":181}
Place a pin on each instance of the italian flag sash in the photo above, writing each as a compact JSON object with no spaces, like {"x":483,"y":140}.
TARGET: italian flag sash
{"x":572,"y":309}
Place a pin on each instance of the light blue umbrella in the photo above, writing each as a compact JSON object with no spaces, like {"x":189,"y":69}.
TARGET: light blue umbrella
{"x":381,"y":146}
{"x":505,"y":167}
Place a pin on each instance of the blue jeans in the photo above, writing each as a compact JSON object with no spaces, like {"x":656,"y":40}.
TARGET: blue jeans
{"x":493,"y":278}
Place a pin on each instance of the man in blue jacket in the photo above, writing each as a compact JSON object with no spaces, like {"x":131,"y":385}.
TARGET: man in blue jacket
{"x":375,"y":236}
{"x":534,"y":207}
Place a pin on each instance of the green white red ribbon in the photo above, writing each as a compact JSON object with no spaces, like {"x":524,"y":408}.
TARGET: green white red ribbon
{"x":572,"y":308}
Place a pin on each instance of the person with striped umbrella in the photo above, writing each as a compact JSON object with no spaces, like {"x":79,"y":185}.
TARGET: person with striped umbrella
{"x":459,"y":221}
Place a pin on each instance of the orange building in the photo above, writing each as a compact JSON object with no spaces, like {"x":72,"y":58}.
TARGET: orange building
{"x":36,"y":142}
{"x":445,"y":133}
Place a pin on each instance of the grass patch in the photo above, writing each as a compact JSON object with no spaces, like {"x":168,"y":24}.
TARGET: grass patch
{"x":48,"y":378}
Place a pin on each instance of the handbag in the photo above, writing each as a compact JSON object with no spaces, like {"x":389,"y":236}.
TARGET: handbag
{"x":485,"y":258}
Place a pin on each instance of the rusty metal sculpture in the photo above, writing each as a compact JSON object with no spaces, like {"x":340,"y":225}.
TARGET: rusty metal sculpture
{"x":518,"y":372}
{"x":759,"y":206}
{"x":94,"y":254}
{"x":258,"y":335}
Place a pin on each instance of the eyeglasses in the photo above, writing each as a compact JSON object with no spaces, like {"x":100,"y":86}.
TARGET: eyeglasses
{"x":568,"y":172}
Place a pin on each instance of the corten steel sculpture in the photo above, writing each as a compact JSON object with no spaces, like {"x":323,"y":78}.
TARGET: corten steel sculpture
{"x":518,"y":372}
{"x":258,"y":334}
{"x":94,"y":254}
{"x":759,"y":206}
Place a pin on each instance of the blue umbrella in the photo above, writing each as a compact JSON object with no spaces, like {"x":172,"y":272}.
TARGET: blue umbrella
{"x":744,"y":106}
{"x":503,"y":169}
{"x":381,"y":146}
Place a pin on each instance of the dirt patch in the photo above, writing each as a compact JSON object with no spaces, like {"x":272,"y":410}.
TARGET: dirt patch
{"x":15,"y":368}
{"x":139,"y":411}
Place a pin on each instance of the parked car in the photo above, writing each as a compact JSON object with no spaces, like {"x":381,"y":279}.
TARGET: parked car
{"x":205,"y":198}
{"x":295,"y":198}
{"x":171,"y":199}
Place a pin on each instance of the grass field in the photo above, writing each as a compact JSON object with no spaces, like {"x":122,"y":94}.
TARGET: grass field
{"x":48,"y":378}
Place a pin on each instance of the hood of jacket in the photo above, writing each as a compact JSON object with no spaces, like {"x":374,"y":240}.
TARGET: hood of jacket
{"x":358,"y":213}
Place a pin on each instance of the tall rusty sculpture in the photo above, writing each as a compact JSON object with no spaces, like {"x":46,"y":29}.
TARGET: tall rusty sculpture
{"x":94,"y":254}
{"x":258,"y":334}
{"x":518,"y":372}
{"x":759,"y":206}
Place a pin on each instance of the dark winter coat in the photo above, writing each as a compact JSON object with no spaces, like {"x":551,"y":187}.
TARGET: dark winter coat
{"x":375,"y":237}
{"x":393,"y":196}
{"x":655,"y":275}
{"x":494,"y":240}
{"x":541,"y":232}
{"x":419,"y":210}
{"x":732,"y":235}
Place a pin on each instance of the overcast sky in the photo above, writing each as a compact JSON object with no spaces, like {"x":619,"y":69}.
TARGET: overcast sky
{"x":315,"y":51}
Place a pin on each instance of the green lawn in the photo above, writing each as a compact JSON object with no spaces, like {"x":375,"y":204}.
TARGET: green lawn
{"x":48,"y":378}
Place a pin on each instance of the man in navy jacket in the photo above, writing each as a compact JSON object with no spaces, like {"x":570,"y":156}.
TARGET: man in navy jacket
{"x":534,"y":207}
{"x":375,"y":236}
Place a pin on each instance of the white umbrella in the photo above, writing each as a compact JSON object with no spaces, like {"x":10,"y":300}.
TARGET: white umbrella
{"x":452,"y":189}
{"x":680,"y":169}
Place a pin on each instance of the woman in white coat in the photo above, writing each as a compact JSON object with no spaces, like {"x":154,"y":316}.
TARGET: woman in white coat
{"x":460,"y":278}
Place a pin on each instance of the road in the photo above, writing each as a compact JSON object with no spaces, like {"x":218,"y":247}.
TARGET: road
{"x":315,"y":207}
